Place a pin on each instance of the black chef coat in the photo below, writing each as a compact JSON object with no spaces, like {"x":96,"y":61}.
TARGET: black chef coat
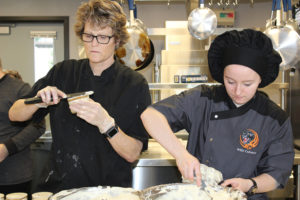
{"x":81,"y":156}
{"x":243,"y":142}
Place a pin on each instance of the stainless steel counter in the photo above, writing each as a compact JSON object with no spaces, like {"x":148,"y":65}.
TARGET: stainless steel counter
{"x":297,"y":157}
{"x":156,"y":155}
{"x":154,"y":167}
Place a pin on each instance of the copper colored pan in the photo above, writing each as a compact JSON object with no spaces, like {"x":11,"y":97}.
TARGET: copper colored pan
{"x":136,"y":51}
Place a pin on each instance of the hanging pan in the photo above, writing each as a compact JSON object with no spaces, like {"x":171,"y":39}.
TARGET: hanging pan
{"x":140,"y":24}
{"x":136,"y":51}
{"x":285,"y":40}
{"x":202,"y":22}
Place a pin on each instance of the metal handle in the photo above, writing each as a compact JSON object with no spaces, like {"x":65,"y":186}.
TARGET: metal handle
{"x":289,"y":5}
{"x":130,"y":4}
{"x":278,"y":14}
{"x":34,"y":100}
{"x":131,"y":12}
{"x":201,"y":3}
{"x":272,"y":13}
{"x":273,"y":5}
{"x":285,"y":4}
{"x":134,"y":11}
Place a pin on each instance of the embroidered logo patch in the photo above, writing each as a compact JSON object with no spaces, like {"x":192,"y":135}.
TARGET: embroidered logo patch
{"x":249,"y":139}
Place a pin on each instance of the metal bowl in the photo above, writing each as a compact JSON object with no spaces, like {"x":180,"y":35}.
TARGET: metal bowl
{"x":90,"y":193}
{"x":158,"y":192}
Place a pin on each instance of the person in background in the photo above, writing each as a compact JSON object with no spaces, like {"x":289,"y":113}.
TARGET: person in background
{"x":98,"y":144}
{"x":16,"y":167}
{"x":232,"y":127}
{"x":13,"y":73}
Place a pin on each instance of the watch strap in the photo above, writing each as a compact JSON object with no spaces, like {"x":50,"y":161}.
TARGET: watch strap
{"x":252,"y":188}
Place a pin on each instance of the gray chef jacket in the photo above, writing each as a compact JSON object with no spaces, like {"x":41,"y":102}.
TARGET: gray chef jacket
{"x":242,"y":142}
{"x":17,"y":168}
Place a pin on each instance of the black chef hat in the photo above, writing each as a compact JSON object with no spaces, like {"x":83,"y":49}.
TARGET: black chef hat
{"x":247,"y":47}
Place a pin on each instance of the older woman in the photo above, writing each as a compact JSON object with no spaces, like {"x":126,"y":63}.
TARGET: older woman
{"x":97,"y":145}
{"x":232,"y":127}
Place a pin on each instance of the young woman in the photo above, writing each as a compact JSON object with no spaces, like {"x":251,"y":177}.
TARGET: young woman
{"x":232,"y":127}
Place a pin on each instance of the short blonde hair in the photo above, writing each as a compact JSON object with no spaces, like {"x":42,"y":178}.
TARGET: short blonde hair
{"x":102,"y":13}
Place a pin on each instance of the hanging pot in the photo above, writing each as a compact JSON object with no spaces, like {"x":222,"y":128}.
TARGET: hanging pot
{"x":150,"y":56}
{"x":285,"y":40}
{"x":202,"y":22}
{"x":138,"y":48}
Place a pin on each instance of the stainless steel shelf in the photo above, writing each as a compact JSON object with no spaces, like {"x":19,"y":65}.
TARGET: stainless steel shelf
{"x":160,"y":86}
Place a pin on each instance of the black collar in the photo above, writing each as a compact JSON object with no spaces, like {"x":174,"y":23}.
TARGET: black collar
{"x":233,"y":106}
{"x":233,"y":111}
{"x":3,"y":78}
{"x":107,"y":75}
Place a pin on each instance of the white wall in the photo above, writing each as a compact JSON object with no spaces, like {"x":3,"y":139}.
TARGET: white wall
{"x":44,"y":8}
{"x":256,"y":16}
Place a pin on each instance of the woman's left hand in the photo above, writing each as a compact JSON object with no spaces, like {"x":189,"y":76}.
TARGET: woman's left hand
{"x":3,"y":152}
{"x":238,"y":183}
{"x":93,"y":113}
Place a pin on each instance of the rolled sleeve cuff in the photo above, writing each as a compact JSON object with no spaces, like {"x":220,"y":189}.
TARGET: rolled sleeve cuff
{"x":11,"y":146}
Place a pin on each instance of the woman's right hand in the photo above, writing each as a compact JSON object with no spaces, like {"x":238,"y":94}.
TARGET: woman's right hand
{"x":189,"y":167}
{"x":50,"y":95}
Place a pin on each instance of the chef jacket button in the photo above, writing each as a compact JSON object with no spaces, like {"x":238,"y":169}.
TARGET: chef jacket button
{"x":211,"y":139}
{"x":216,"y":116}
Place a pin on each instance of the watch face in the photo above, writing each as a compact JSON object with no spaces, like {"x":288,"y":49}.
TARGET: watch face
{"x":110,"y":133}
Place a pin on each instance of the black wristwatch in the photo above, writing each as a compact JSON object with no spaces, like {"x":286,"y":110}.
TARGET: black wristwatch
{"x":253,"y":188}
{"x":112,"y":131}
